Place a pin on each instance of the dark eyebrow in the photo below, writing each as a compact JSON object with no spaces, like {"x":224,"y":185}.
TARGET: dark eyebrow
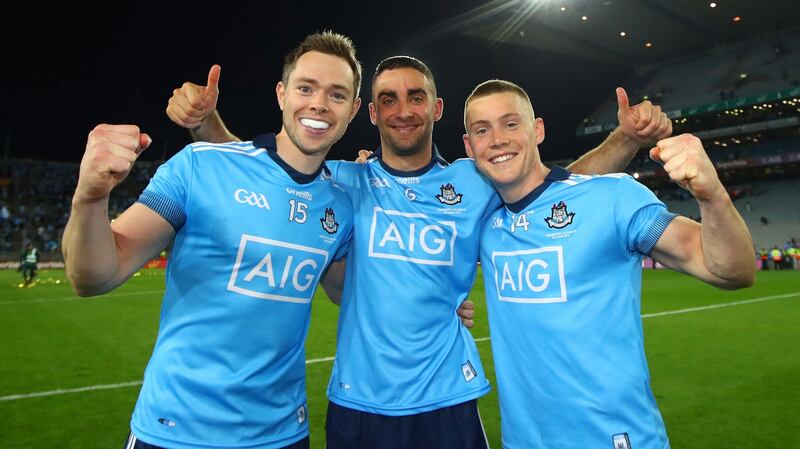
{"x":316,"y":83}
{"x":417,"y":91}
{"x":387,"y":93}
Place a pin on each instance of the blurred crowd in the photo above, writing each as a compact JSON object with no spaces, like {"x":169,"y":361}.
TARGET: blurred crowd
{"x":35,"y":201}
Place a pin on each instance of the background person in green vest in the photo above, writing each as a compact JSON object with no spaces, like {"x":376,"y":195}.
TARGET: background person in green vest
{"x":28,"y":265}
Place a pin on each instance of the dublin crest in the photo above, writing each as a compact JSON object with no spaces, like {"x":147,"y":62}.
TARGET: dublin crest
{"x":449,"y":195}
{"x":329,"y":222}
{"x":559,"y":217}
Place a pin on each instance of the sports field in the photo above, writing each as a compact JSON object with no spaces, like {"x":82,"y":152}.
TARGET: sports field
{"x":725,"y":365}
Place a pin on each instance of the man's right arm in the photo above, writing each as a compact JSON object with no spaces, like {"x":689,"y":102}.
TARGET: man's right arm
{"x":100,"y":255}
{"x":195,"y":107}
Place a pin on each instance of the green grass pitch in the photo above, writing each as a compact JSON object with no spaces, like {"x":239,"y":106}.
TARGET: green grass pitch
{"x":725,"y":374}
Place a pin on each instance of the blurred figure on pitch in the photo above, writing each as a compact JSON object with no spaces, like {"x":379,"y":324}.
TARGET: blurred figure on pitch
{"x":28,"y":265}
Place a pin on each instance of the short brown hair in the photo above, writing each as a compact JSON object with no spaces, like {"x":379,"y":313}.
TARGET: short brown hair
{"x":405,"y":62}
{"x":329,"y":43}
{"x":490,"y":87}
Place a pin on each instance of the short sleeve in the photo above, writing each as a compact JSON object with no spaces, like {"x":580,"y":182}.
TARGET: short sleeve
{"x":168,"y":190}
{"x":639,"y":216}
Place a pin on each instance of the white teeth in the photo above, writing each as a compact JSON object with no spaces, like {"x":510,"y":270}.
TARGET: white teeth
{"x":316,"y":124}
{"x":500,"y":159}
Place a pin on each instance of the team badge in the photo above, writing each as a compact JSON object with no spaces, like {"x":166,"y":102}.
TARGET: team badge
{"x":301,"y":414}
{"x":449,"y":195}
{"x":468,"y":371}
{"x":559,"y":218}
{"x":621,"y":441}
{"x":329,"y":222}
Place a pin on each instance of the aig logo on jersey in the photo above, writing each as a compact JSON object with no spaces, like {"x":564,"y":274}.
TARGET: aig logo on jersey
{"x":280,"y":271}
{"x":251,"y":198}
{"x":412,"y":237}
{"x":530,"y":276}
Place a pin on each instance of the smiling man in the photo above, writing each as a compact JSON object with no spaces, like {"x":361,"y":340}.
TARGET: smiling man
{"x":562,"y":271}
{"x":254,"y":226}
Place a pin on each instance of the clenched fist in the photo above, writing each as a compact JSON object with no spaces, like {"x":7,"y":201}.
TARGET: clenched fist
{"x":687,"y":164}
{"x":110,"y":153}
{"x":191,"y":103}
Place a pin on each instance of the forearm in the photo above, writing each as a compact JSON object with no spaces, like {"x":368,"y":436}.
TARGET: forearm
{"x":89,"y":248}
{"x":333,"y":281}
{"x":212,"y":129}
{"x":611,"y":156}
{"x":726,"y":241}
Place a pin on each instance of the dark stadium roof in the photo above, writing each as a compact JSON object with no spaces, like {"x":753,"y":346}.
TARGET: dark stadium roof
{"x":70,"y":66}
{"x":673,"y":27}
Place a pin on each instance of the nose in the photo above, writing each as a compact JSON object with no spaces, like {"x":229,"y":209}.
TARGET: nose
{"x":319,"y":103}
{"x":497,"y":140}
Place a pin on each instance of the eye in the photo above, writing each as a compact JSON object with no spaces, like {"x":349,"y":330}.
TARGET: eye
{"x":417,"y":99}
{"x":512,"y":125}
{"x":479,"y":131}
{"x":388,"y":101}
{"x":337,"y":96}
{"x":304,"y":90}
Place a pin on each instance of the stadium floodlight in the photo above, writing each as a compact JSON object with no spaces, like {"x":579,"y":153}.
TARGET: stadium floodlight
{"x":712,"y":4}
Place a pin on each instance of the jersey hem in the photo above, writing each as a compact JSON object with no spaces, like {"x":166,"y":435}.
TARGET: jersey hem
{"x":409,"y":410}
{"x":152,"y":439}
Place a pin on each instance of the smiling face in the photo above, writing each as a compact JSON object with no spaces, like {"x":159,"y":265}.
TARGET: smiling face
{"x":404,"y":107}
{"x":318,"y":101}
{"x":503,"y":137}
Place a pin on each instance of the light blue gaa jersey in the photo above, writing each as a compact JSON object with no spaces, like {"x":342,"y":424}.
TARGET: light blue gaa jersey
{"x":401,"y":348}
{"x":562,"y":270}
{"x":253,"y":238}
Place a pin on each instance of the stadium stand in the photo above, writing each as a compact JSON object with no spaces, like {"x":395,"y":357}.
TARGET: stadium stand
{"x":35,"y":202}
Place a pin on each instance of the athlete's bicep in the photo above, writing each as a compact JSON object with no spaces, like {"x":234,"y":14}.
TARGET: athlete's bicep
{"x":680,"y":248}
{"x":140,"y":234}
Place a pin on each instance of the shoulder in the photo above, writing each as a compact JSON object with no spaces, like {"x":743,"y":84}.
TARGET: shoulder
{"x":227,"y":149}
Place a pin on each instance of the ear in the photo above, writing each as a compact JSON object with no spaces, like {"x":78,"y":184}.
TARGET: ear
{"x":468,"y":147}
{"x":280,"y":91}
{"x":439,"y":109}
{"x":356,"y":107}
{"x":539,"y":130}
{"x":373,"y":115}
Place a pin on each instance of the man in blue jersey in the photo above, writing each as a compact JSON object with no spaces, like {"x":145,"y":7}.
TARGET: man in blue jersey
{"x":562,"y":271}
{"x":254,"y":226}
{"x":407,"y":374}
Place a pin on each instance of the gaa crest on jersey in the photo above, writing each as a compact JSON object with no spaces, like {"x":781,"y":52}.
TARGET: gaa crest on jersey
{"x":329,"y":222}
{"x":449,"y":195}
{"x":559,"y":217}
{"x":409,"y":193}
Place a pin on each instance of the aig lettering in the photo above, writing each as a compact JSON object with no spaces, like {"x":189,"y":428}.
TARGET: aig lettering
{"x":280,"y":271}
{"x":411,"y":237}
{"x":530,"y":276}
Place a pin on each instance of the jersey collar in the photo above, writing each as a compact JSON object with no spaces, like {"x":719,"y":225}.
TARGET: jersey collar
{"x":436,"y":158}
{"x":556,"y":174}
{"x":267,"y":141}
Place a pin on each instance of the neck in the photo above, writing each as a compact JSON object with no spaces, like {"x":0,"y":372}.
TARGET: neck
{"x":409,"y":162}
{"x":514,"y":192}
{"x":298,"y":160}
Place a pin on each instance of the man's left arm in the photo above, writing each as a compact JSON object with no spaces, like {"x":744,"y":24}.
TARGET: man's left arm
{"x":718,"y":251}
{"x":639,"y":125}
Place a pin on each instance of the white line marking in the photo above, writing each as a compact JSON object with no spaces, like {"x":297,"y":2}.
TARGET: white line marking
{"x":73,"y":298}
{"x":719,"y":306}
{"x":14,"y":397}
{"x":136,"y":383}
